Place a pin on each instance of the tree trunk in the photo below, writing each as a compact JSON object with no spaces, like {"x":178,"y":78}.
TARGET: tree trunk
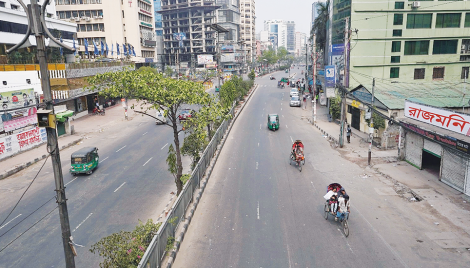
{"x":209,"y":131}
{"x":179,"y":163}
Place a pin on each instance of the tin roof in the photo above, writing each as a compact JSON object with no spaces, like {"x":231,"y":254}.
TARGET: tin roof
{"x":442,"y":94}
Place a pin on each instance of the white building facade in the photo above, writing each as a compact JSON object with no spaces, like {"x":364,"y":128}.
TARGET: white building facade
{"x":247,"y":27}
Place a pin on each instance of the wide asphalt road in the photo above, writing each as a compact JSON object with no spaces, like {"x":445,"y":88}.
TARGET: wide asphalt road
{"x":130,"y":184}
{"x":259,"y":211}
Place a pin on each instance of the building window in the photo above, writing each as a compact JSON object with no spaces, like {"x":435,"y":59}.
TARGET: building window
{"x":2,"y":4}
{"x":123,"y":14}
{"x":467,"y":20}
{"x":394,"y":72}
{"x":418,"y":21}
{"x":464,"y":74}
{"x":398,"y":19}
{"x":395,"y":59}
{"x":396,"y":46}
{"x":438,"y":73}
{"x":416,"y":47}
{"x":14,"y":7}
{"x":396,"y":32}
{"x":399,"y":5}
{"x":445,"y":47}
{"x":419,"y":73}
{"x":448,"y":20}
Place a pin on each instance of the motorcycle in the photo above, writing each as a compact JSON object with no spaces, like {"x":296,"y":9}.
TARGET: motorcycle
{"x":272,"y":78}
{"x":99,"y":111}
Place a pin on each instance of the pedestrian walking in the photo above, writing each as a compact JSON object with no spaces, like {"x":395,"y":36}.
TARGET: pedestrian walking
{"x":348,"y":133}
{"x":305,"y":102}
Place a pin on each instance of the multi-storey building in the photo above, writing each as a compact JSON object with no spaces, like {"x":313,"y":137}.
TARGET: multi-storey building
{"x":247,"y":27}
{"x":112,"y":23}
{"x":300,"y":41}
{"x":290,"y":38}
{"x":315,"y":10}
{"x":157,"y":5}
{"x":186,"y":31}
{"x":281,"y":33}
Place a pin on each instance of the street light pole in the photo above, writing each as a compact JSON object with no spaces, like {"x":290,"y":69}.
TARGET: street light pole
{"x":35,"y":14}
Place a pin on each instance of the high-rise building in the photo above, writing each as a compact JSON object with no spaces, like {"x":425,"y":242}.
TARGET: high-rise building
{"x":111,"y":24}
{"x":247,"y":27}
{"x":281,"y":33}
{"x":315,"y":10}
{"x":186,"y":31}
{"x":157,"y":6}
{"x":300,"y":41}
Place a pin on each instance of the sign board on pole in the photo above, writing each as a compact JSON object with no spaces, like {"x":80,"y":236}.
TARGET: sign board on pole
{"x":330,"y":76}
{"x":330,"y":92}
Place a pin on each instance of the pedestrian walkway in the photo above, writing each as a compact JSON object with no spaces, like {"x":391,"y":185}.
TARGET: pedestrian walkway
{"x":448,"y":209}
{"x":82,"y":127}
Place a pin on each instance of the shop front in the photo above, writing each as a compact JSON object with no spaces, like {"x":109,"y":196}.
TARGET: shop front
{"x":436,"y":140}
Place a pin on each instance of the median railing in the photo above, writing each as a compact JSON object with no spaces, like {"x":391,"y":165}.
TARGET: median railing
{"x":157,"y":248}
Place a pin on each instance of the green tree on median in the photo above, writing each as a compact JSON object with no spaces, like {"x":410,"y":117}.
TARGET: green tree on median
{"x":154,"y":92}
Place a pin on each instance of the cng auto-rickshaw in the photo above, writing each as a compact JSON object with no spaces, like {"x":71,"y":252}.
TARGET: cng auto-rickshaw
{"x":84,"y":160}
{"x":273,"y":122}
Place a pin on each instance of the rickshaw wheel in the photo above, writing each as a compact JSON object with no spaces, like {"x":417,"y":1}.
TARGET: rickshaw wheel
{"x":89,"y":172}
{"x":326,"y":211}
{"x":345,"y":225}
{"x":300,"y":167}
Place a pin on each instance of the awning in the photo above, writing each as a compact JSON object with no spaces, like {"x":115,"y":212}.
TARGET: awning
{"x":62,"y":116}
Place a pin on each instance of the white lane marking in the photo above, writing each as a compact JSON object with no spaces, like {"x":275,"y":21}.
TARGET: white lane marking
{"x":104,"y":159}
{"x":121,"y":148}
{"x":281,"y":103}
{"x":286,"y":126}
{"x":258,"y":210}
{"x":164,"y":146}
{"x":383,"y":240}
{"x":144,"y":133}
{"x":313,"y":186}
{"x":347,"y":242}
{"x":258,"y":144}
{"x":10,"y":221}
{"x":256,"y":165}
{"x":70,"y":181}
{"x":82,"y":222}
{"x":147,"y":161}
{"x":281,"y":109}
{"x":259,"y":126}
{"x":282,"y":115}
{"x":291,"y":139}
{"x":120,"y":187}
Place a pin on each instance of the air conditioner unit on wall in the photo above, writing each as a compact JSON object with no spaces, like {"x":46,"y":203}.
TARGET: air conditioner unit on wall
{"x":77,"y":19}
{"x":87,"y":18}
{"x":416,"y":4}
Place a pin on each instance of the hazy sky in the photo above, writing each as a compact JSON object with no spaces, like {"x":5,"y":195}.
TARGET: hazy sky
{"x":299,"y":11}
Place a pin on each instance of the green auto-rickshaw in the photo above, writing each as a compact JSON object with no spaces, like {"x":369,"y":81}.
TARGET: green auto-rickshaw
{"x":273,"y":122}
{"x":84,"y":160}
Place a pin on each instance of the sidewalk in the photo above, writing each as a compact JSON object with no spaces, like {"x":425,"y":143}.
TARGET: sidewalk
{"x":82,"y":128}
{"x":445,"y":207}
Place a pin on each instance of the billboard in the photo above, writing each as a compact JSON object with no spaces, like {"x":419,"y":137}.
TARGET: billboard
{"x":19,"y":98}
{"x":227,"y":57}
{"x":205,"y":59}
{"x":13,"y":120}
{"x":226,"y":49}
{"x":180,"y":37}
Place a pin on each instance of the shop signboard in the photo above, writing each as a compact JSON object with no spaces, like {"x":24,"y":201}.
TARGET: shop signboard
{"x":227,"y":57}
{"x":205,"y":59}
{"x":456,"y":122}
{"x":19,"y":98}
{"x":25,"y":140}
{"x":226,"y":49}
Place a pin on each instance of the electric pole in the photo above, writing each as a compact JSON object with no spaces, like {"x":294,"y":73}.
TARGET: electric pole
{"x":37,"y":26}
{"x":343,"y":93}
{"x":314,"y":80}
{"x":371,"y":126}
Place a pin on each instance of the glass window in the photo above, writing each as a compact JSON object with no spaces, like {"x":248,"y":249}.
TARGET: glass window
{"x":416,"y":47}
{"x":396,"y":32}
{"x":396,"y":46}
{"x":399,"y":5}
{"x":398,"y":19}
{"x":464,"y":74}
{"x":394,"y":72}
{"x":395,"y":59}
{"x":445,"y":47}
{"x":448,"y":20}
{"x":2,"y":4}
{"x":467,"y":20}
{"x":419,"y":73}
{"x":418,"y":21}
{"x":438,"y":73}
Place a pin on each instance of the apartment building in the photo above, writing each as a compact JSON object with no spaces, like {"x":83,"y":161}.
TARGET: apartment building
{"x":300,"y":41}
{"x":281,"y":33}
{"x":186,"y":31}
{"x":112,"y":24}
{"x":247,"y":27}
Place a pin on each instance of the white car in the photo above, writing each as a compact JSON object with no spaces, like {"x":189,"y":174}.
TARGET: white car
{"x":160,"y":118}
{"x":294,"y":92}
{"x":295,"y":101}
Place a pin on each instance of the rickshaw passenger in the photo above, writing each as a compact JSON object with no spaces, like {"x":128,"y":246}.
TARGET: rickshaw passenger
{"x":332,"y":198}
{"x":344,"y":207}
{"x":297,"y":146}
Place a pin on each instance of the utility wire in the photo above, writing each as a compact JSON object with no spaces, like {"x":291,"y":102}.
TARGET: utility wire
{"x":25,"y":191}
{"x":28,"y":229}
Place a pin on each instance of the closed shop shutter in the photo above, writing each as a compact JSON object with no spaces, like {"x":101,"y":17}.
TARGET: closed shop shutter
{"x":453,"y":169}
{"x":433,"y":147}
{"x":467,"y":179}
{"x":413,"y":149}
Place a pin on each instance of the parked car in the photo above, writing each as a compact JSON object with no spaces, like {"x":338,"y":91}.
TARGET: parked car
{"x":295,"y":101}
{"x":186,"y":114}
{"x":160,"y":117}
{"x":293,"y":91}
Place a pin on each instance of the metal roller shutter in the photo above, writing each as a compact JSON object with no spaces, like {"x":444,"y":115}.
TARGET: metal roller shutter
{"x":453,"y":169}
{"x":467,"y":178}
{"x":433,"y":147}
{"x":413,"y":149}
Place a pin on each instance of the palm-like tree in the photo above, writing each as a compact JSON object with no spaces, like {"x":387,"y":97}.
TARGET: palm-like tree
{"x":319,"y":25}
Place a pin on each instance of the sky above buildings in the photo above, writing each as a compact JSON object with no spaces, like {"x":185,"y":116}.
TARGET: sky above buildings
{"x":299,"y":11}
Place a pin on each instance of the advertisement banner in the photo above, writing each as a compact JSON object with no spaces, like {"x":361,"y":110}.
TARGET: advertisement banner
{"x":226,"y":49}
{"x":227,"y":57}
{"x":445,"y":119}
{"x":17,"y":119}
{"x":17,"y":99}
{"x":205,"y":59}
{"x":180,"y":37}
{"x":22,"y":141}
